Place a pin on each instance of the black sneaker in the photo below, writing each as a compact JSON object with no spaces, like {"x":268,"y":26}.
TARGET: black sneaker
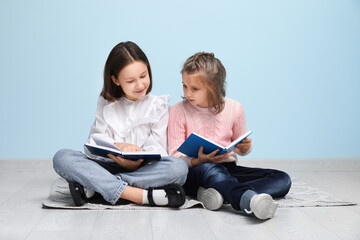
{"x":77,"y":193}
{"x":174,"y":192}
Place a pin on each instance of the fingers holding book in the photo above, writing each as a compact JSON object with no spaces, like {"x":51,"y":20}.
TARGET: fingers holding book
{"x":244,"y":146}
{"x":130,"y":165}
{"x":127,"y":147}
{"x":211,"y":157}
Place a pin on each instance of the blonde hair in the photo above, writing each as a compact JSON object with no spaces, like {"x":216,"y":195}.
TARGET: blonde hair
{"x":212,"y":74}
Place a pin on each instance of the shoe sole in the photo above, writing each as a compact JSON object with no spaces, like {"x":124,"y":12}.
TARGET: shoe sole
{"x":263,"y":206}
{"x":210,"y":197}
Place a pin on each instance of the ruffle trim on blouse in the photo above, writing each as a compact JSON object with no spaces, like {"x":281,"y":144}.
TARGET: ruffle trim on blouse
{"x":148,"y":110}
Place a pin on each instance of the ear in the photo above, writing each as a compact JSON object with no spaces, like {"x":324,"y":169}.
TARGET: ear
{"x":116,"y":81}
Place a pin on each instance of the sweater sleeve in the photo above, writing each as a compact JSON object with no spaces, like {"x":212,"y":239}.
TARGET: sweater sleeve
{"x":177,"y":133}
{"x":239,"y":126}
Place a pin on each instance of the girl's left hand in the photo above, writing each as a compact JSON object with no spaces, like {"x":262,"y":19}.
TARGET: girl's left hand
{"x":244,"y":146}
{"x":125,"y":163}
{"x":127,"y":147}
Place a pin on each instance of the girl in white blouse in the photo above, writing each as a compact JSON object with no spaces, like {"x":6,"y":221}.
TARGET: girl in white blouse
{"x":133,"y":120}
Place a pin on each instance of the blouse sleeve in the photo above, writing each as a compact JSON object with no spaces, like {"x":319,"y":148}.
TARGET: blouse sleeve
{"x":100,"y":128}
{"x":157,"y":140}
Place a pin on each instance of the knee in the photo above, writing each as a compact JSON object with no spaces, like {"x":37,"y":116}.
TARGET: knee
{"x":177,"y":169}
{"x":210,"y":173}
{"x":211,"y":169}
{"x":206,"y":167}
{"x":285,"y":183}
{"x":61,"y":159}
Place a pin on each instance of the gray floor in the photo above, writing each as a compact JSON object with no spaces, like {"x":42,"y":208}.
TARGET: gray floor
{"x":24,"y":183}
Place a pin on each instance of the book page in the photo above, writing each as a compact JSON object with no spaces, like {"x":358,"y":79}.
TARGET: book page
{"x":104,"y":151}
{"x":233,"y":144}
{"x":105,"y":143}
{"x":210,"y":141}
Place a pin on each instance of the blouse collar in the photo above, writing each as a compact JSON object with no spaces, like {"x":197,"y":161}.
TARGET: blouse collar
{"x":124,"y":99}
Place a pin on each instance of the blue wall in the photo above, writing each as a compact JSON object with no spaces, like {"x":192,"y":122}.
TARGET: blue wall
{"x":294,"y":65}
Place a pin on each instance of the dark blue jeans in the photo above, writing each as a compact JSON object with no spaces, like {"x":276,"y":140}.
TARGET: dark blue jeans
{"x":232,"y":181}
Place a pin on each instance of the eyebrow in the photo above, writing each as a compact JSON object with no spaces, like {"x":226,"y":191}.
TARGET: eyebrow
{"x":191,"y":85}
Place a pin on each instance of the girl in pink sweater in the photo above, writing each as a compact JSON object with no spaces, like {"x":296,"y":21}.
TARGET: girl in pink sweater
{"x":214,"y":178}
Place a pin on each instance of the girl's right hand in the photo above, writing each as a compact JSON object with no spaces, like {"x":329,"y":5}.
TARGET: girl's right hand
{"x":127,"y":147}
{"x":204,"y":158}
{"x":129,"y":165}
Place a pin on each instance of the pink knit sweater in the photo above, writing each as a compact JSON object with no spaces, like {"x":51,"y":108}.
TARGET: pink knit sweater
{"x":222,"y":128}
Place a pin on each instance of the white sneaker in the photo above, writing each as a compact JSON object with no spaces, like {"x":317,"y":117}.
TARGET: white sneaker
{"x":210,"y":197}
{"x":263,"y":206}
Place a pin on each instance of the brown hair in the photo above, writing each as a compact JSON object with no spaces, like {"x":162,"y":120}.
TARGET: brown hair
{"x":120,"y":56}
{"x":212,"y":74}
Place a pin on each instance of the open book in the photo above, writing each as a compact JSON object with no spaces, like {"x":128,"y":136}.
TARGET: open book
{"x":193,"y":143}
{"x":103,"y":147}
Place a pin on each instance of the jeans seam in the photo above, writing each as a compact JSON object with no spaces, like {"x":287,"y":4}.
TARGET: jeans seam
{"x":119,"y":192}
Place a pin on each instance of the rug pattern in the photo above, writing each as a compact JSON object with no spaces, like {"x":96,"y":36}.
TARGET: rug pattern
{"x":300,"y":195}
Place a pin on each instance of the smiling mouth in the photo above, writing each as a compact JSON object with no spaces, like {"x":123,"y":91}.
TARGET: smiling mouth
{"x":141,"y":91}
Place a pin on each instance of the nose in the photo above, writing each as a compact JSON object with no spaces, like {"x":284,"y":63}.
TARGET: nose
{"x":139,"y":84}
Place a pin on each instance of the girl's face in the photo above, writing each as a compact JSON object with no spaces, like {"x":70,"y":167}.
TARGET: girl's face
{"x":194,"y":90}
{"x":134,"y":80}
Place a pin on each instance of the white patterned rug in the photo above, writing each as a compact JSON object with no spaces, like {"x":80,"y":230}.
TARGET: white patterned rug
{"x":300,"y":195}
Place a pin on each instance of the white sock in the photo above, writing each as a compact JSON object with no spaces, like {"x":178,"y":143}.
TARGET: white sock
{"x":159,"y":196}
{"x":89,"y":193}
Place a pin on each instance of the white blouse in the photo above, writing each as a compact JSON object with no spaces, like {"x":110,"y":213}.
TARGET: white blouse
{"x":142,"y":122}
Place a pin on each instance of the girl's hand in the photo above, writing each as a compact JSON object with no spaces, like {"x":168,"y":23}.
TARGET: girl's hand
{"x":125,"y":163}
{"x":204,"y":158}
{"x":127,"y":147}
{"x":243,"y":147}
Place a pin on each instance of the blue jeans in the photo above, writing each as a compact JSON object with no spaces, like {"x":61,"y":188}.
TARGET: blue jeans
{"x":110,"y":179}
{"x":232,"y":181}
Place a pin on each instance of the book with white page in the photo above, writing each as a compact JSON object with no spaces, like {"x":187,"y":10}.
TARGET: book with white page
{"x":193,"y":143}
{"x":103,"y":148}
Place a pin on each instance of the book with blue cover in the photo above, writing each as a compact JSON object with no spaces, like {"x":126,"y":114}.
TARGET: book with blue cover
{"x":102,"y":148}
{"x":193,"y":143}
